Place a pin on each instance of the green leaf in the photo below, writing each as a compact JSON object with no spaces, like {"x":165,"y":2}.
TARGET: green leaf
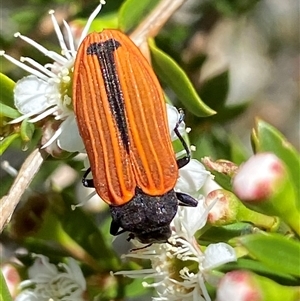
{"x":6,"y":90}
{"x":4,"y":292}
{"x":26,"y":130}
{"x":6,"y":142}
{"x":135,"y":289}
{"x":204,"y":145}
{"x":132,"y":12}
{"x":213,"y":142}
{"x":6,"y":111}
{"x":222,"y":233}
{"x":223,"y":180}
{"x":106,"y":21}
{"x":239,"y":152}
{"x":259,"y":268}
{"x":171,"y":73}
{"x":227,"y":113}
{"x":214,"y":91}
{"x":266,"y":138}
{"x":274,"y":250}
{"x":231,"y":8}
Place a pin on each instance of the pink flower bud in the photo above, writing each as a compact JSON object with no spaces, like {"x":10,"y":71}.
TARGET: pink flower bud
{"x":238,"y":286}
{"x":263,"y":184}
{"x":12,"y":278}
{"x":259,"y":178}
{"x":222,"y":166}
{"x":247,"y":286}
{"x":225,"y":209}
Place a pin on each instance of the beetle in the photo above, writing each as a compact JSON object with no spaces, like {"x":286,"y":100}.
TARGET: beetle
{"x":121,"y":115}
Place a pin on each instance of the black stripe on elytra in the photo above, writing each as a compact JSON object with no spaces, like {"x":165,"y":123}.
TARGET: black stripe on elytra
{"x":105,"y":55}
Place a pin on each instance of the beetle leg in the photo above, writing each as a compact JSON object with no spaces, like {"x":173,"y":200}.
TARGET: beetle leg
{"x":87,"y":182}
{"x":186,"y":200}
{"x":114,"y":229}
{"x":141,"y":248}
{"x":186,"y":159}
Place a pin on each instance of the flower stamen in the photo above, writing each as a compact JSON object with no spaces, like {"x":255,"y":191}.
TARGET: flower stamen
{"x":70,"y":39}
{"x":38,"y":66}
{"x":60,"y":36}
{"x":24,"y":66}
{"x":90,"y":20}
{"x":43,"y":115}
{"x":51,"y":54}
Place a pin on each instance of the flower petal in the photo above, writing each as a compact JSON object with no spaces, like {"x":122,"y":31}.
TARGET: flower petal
{"x":76,"y":273}
{"x":42,"y":266}
{"x":218,"y":254}
{"x":191,"y":177}
{"x":31,"y":95}
{"x":27,"y":296}
{"x":191,"y":219}
{"x":69,"y":138}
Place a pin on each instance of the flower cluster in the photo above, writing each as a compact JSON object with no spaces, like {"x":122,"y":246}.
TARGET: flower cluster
{"x":49,"y":282}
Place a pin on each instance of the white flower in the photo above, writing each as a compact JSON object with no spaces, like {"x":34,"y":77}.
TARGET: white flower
{"x":192,"y":177}
{"x":181,"y":267}
{"x":47,"y":90}
{"x":49,"y":282}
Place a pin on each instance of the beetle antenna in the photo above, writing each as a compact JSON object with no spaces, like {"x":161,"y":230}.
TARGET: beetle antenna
{"x":141,"y":248}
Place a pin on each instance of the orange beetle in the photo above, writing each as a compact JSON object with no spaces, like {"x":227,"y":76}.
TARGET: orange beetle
{"x":121,"y":115}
